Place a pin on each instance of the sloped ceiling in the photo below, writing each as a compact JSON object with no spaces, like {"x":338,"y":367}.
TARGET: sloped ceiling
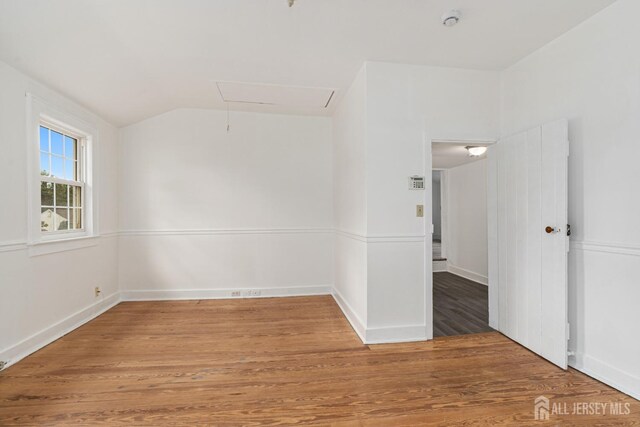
{"x":131,"y":59}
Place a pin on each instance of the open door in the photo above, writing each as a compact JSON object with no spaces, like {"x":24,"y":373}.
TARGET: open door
{"x":528,"y":239}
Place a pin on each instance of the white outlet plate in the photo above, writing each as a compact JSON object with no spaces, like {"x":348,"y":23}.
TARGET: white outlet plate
{"x":236,"y":293}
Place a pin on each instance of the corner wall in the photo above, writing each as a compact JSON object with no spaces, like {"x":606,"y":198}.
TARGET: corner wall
{"x":45,"y":296}
{"x":206,"y":213}
{"x":591,"y":75}
{"x":350,"y":203}
{"x":407,"y":107}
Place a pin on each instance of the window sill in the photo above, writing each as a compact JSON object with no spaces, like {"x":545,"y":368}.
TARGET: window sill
{"x":61,"y":245}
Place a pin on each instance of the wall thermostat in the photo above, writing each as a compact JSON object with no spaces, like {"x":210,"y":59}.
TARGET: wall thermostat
{"x":416,"y":182}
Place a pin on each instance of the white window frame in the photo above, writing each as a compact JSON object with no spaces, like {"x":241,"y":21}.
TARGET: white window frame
{"x":40,"y":112}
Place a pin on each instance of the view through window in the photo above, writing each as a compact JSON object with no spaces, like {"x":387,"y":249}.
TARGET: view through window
{"x":61,"y":181}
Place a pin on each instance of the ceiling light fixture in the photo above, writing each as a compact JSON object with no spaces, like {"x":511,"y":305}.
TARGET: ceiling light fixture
{"x":291,"y":2}
{"x":475,"y":151}
{"x":451,"y":18}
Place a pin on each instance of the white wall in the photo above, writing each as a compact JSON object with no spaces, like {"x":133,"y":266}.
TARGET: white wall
{"x":467,"y":245}
{"x":591,"y":76}
{"x":44,"y":296}
{"x":408,"y":106}
{"x":205,"y":211}
{"x":349,"y":198}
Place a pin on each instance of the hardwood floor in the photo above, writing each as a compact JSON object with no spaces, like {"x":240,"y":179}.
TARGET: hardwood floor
{"x":460,"y":306}
{"x":281,"y":362}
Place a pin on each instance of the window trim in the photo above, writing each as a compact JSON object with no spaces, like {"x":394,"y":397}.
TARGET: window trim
{"x":41,"y":112}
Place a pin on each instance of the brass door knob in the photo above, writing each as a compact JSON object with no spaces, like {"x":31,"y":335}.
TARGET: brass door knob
{"x":551,"y":230}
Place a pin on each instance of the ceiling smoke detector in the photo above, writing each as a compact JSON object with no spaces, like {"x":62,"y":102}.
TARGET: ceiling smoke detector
{"x":451,"y":18}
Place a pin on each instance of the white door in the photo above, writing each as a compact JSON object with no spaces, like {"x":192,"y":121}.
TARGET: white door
{"x":528,"y":241}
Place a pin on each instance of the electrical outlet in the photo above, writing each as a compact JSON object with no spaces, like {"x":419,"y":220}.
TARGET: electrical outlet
{"x":254,"y":293}
{"x":97,"y":291}
{"x":235,"y":293}
{"x":420,"y":211}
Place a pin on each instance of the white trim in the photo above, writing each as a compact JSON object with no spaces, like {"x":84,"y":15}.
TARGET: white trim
{"x":39,"y":110}
{"x":440,"y":266}
{"x":487,"y":141}
{"x":199,"y":294}
{"x":393,"y":334}
{"x":605,"y":373}
{"x":383,"y":238}
{"x":427,"y":154}
{"x":63,"y":245}
{"x":43,"y":248}
{"x":222,"y":231}
{"x":48,"y":335}
{"x":396,"y":334}
{"x":13,"y":246}
{"x":470,"y":275}
{"x":418,"y":238}
{"x":356,"y":323}
{"x":607,"y":247}
{"x":354,"y":236}
{"x":72,"y":242}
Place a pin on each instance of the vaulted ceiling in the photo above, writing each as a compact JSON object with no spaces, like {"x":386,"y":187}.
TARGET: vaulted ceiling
{"x":131,"y":59}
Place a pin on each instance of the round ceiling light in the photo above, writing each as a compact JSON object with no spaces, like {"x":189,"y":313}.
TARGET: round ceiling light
{"x":451,"y":18}
{"x":476,"y":151}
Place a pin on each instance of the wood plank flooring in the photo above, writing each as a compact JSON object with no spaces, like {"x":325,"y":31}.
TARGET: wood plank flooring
{"x":460,"y":306}
{"x":281,"y":361}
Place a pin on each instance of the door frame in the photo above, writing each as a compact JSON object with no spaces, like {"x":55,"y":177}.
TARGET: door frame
{"x":444,"y":210}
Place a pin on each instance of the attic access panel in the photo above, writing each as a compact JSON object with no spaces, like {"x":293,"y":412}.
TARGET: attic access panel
{"x":287,"y":96}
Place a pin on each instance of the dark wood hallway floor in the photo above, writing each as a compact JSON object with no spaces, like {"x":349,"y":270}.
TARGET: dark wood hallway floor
{"x":460,"y":306}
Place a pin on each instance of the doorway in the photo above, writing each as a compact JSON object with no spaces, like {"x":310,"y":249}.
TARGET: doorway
{"x":526,"y":237}
{"x":459,"y":239}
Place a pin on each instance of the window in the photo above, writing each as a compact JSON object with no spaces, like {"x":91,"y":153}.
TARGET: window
{"x":62,"y":202}
{"x":61,"y":180}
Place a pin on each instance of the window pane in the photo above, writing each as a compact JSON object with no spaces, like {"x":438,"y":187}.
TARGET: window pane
{"x":56,"y":143}
{"x":69,"y":169}
{"x":62,"y":219}
{"x":46,"y":194}
{"x":76,"y":197}
{"x":44,"y":139}
{"x":45,"y":167}
{"x":61,"y":195}
{"x":77,"y":219}
{"x":57,"y":167}
{"x":46,"y":219}
{"x":69,"y":147}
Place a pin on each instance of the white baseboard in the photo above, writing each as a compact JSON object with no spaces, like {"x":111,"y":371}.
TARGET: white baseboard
{"x":475,"y":277}
{"x":378,"y":335}
{"x":396,"y":334}
{"x":356,"y":323}
{"x":439,"y":266}
{"x":48,"y":335}
{"x":603,"y":372}
{"x":194,"y":294}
